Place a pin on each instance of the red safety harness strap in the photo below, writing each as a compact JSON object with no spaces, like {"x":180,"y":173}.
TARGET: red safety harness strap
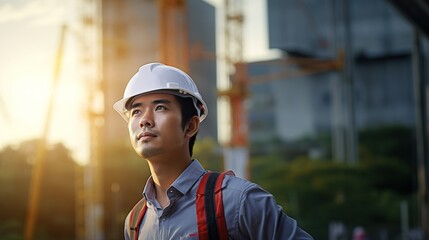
{"x":220,"y":214}
{"x":209,"y":207}
{"x":136,"y":219}
{"x":200,"y":208}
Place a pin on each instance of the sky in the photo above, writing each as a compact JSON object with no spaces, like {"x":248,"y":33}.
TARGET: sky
{"x":30,"y":32}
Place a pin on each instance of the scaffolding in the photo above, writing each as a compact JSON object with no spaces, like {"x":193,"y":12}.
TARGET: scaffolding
{"x":236,"y":152}
{"x":89,"y":199}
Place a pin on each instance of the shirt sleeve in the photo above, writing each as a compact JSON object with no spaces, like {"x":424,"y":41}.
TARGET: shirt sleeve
{"x":261,"y":218}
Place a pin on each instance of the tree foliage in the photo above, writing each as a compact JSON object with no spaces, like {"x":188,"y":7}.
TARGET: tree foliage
{"x":56,"y":218}
{"x":317,"y":192}
{"x":124,"y":177}
{"x":208,"y":153}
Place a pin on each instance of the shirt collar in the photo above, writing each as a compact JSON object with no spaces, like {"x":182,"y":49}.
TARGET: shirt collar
{"x":183,"y":183}
{"x":189,"y":177}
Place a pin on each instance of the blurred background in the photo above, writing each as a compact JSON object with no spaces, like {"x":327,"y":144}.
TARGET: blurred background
{"x":321,"y":102}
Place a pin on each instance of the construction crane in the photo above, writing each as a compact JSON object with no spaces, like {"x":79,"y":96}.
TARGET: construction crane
{"x":89,"y":198}
{"x":236,"y":153}
{"x":39,"y":162}
{"x":238,"y":92}
{"x":236,"y":150}
{"x":92,"y":198}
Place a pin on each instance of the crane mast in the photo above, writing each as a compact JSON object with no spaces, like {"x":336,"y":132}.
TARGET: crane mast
{"x":89,"y":200}
{"x":236,"y":153}
{"x":40,"y":158}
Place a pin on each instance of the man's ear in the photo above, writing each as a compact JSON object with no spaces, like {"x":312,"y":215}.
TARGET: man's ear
{"x":192,"y":126}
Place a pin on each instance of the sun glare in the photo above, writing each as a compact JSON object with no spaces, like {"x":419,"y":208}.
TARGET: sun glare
{"x":27,"y":100}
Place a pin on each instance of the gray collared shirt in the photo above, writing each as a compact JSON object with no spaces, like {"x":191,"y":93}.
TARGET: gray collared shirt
{"x":250,"y":211}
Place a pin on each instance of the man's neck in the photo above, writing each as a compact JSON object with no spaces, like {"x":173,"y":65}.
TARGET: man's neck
{"x":164,"y":174}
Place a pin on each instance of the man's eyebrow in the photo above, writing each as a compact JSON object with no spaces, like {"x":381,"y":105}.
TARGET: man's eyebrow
{"x":157,"y":101}
{"x":134,"y":105}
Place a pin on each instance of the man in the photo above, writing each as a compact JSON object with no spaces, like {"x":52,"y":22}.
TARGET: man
{"x":164,"y":109}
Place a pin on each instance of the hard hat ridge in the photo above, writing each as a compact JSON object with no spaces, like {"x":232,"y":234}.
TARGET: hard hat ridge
{"x":157,"y":77}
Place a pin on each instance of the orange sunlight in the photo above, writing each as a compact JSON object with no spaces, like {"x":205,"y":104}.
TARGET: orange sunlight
{"x":30,"y":33}
{"x":26,"y":101}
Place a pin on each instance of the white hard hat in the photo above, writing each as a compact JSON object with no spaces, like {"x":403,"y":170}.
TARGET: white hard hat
{"x":155,"y":77}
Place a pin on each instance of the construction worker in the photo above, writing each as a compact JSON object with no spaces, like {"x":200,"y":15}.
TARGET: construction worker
{"x":164,"y":110}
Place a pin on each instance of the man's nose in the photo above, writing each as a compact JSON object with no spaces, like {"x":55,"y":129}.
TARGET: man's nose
{"x":147,"y":120}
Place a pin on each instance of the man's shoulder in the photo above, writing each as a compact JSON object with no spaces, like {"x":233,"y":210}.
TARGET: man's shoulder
{"x":234,"y":183}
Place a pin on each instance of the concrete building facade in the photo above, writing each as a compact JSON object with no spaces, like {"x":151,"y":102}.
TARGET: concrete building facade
{"x":381,"y":43}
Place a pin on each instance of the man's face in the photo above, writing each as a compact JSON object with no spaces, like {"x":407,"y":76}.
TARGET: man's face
{"x":155,"y":126}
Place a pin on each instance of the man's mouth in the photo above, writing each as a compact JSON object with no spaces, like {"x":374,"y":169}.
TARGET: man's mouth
{"x":145,"y":135}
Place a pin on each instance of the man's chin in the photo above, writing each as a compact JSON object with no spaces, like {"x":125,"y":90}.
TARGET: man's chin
{"x":147,"y":153}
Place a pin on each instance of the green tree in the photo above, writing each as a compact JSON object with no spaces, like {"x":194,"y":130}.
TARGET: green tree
{"x":318,"y":192}
{"x":57,"y":200}
{"x":208,"y":152}
{"x":368,"y":194}
{"x":124,"y":177}
{"x":14,"y":183}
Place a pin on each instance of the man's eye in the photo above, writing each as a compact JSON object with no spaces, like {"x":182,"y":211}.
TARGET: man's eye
{"x":135,"y":112}
{"x":160,"y":108}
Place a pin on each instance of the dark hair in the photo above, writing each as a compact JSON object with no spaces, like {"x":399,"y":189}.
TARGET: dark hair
{"x":188,"y":111}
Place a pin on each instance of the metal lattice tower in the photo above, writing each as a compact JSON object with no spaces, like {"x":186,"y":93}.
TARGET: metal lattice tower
{"x":233,"y":34}
{"x":236,"y":149}
{"x":89,"y":223}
